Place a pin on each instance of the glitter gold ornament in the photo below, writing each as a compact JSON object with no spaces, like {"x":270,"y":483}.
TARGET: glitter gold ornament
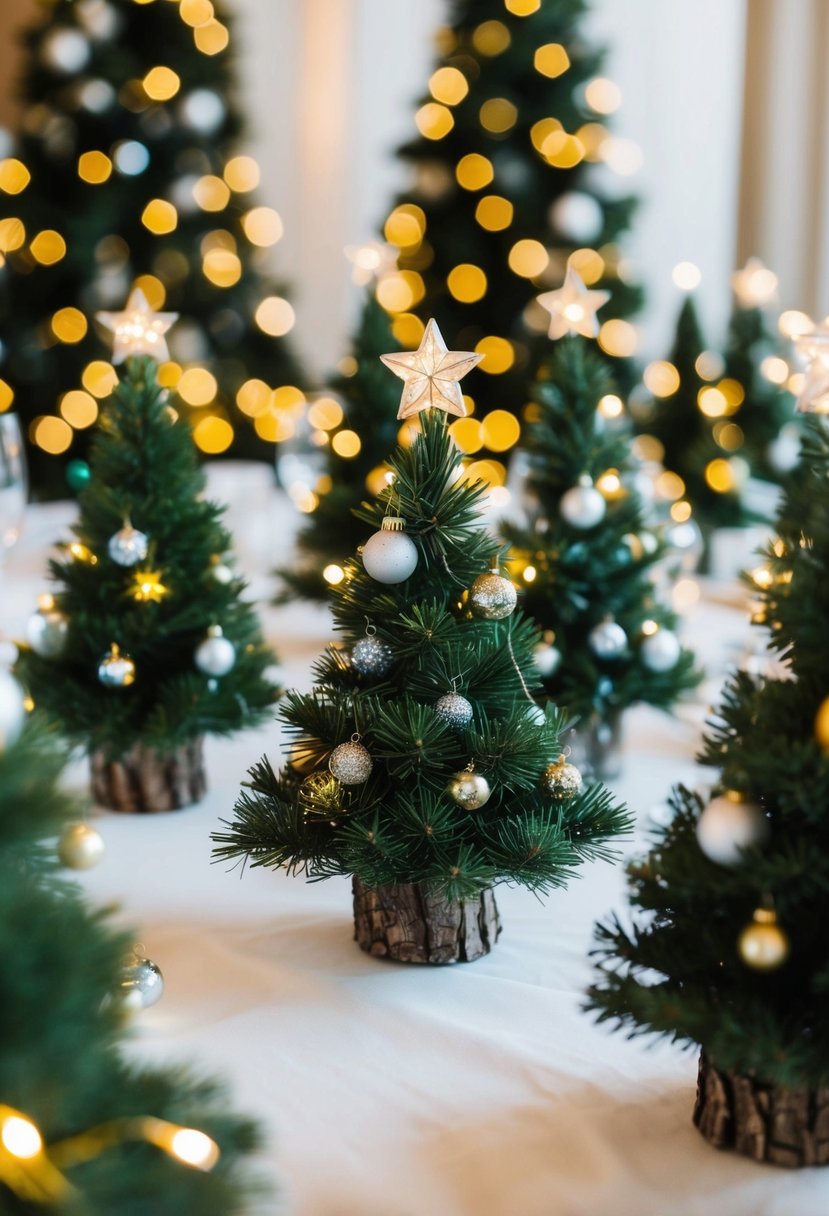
{"x":390,"y":556}
{"x":116,"y":670}
{"x":80,"y":847}
{"x":561,"y":781}
{"x":469,"y":789}
{"x":492,"y":596}
{"x":128,"y":546}
{"x":763,"y":945}
{"x":351,"y":763}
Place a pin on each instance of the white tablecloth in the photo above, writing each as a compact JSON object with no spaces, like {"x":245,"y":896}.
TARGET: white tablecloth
{"x":390,"y":1090}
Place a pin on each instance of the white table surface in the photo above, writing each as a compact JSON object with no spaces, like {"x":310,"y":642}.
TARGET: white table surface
{"x":392,"y":1090}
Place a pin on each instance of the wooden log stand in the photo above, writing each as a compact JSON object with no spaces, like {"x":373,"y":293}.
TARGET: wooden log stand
{"x":771,"y":1123}
{"x":408,"y":924}
{"x":144,"y":781}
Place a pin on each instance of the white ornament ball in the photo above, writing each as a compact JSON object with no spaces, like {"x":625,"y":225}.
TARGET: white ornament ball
{"x":390,"y":556}
{"x":128,"y":546}
{"x":202,"y":110}
{"x":454,"y":709}
{"x":80,"y":847}
{"x":493,"y":597}
{"x":142,"y":984}
{"x":469,"y":790}
{"x":222,"y":573}
{"x":536,"y":715}
{"x":784,"y":451}
{"x":12,"y":710}
{"x":608,"y":640}
{"x":350,"y":763}
{"x":65,"y":50}
{"x":216,"y":655}
{"x":660,"y":651}
{"x":577,"y":216}
{"x":582,"y":506}
{"x":46,"y":632}
{"x":547,"y":659}
{"x":728,"y":825}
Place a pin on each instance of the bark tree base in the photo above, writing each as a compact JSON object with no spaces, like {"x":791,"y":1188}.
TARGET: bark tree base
{"x":771,"y":1123}
{"x":408,"y":924}
{"x":144,"y":781}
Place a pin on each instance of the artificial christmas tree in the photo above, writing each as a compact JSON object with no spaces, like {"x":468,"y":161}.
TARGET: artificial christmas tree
{"x":420,"y":764}
{"x":82,"y":1130}
{"x":147,"y":644}
{"x":729,"y":951}
{"x":584,"y":554}
{"x":125,"y":170}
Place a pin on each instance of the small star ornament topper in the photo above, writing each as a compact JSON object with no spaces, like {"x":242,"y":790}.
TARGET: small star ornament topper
{"x":138,"y":330}
{"x":755,"y":285}
{"x":431,"y":374}
{"x":573,"y":308}
{"x":814,"y":349}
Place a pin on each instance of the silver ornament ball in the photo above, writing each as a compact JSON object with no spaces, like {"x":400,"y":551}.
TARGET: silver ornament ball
{"x":660,"y":651}
{"x":561,"y":781}
{"x":142,"y":984}
{"x":216,"y":655}
{"x":222,"y":573}
{"x":547,"y":659}
{"x":454,"y":709}
{"x":582,"y":506}
{"x":128,"y":547}
{"x":390,"y":556}
{"x":46,"y":632}
{"x":607,"y":640}
{"x":492,"y":596}
{"x":728,"y":825}
{"x":371,"y":656}
{"x":80,"y":847}
{"x":12,"y":710}
{"x":350,"y":763}
{"x":469,"y":790}
{"x":116,"y":670}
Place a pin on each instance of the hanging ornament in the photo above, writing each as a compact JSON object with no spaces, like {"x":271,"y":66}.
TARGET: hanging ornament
{"x":492,"y":596}
{"x":469,"y":789}
{"x":763,"y":945}
{"x":729,"y":824}
{"x":577,"y":216}
{"x":216,"y":655}
{"x":582,"y":506}
{"x":77,"y":475}
{"x":116,"y":670}
{"x":454,"y":709}
{"x":12,"y":709}
{"x":128,"y":547}
{"x":371,"y":656}
{"x":561,"y":781}
{"x":390,"y":556}
{"x":222,"y":573}
{"x":80,"y":847}
{"x":142,"y":983}
{"x":351,"y":763}
{"x":46,"y":629}
{"x":547,"y":659}
{"x":608,"y":639}
{"x":536,"y":715}
{"x":65,"y":50}
{"x":660,"y":651}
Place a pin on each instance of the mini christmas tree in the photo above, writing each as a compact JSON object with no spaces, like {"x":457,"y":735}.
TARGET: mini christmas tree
{"x":125,"y":171}
{"x":81,"y":1130}
{"x":147,"y":644}
{"x":729,"y":950}
{"x":585,"y":556}
{"x":420,"y":764}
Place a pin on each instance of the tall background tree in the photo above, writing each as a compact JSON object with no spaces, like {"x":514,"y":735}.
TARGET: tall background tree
{"x":126,"y":170}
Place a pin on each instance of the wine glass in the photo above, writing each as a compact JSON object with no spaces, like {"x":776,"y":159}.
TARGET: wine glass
{"x":13,"y":482}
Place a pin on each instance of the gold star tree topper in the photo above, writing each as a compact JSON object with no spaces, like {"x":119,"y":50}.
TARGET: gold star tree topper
{"x":755,"y":285}
{"x":573,"y":308}
{"x":431,"y":374}
{"x":138,"y":330}
{"x":814,"y":348}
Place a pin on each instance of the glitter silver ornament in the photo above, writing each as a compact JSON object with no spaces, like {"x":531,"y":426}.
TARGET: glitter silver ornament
{"x":547,"y":659}
{"x":582,"y":506}
{"x":469,"y":790}
{"x":46,"y":632}
{"x":350,"y":763}
{"x":116,"y":670}
{"x":454,"y":709}
{"x":492,"y":596}
{"x":142,"y":983}
{"x":80,"y":847}
{"x":371,"y":656}
{"x":216,"y":655}
{"x":390,"y":556}
{"x":561,"y":781}
{"x":128,"y":547}
{"x":728,"y":825}
{"x":608,"y":640}
{"x":12,"y":710}
{"x":660,"y":651}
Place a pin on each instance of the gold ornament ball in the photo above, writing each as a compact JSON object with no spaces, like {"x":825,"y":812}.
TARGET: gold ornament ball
{"x":561,"y":781}
{"x":492,"y":596}
{"x":80,"y":847}
{"x":763,"y":945}
{"x":822,"y":726}
{"x":469,"y":790}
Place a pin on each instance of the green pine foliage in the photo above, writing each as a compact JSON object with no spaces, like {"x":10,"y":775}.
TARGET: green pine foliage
{"x":584,"y":576}
{"x":497,"y":52}
{"x":401,"y":825}
{"x":370,"y":398}
{"x":61,"y":1034}
{"x":674,"y":968}
{"x":159,"y":150}
{"x":145,"y":472}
